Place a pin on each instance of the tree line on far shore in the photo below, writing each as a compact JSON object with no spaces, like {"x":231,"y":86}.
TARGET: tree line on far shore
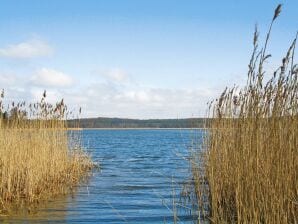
{"x":102,"y":122}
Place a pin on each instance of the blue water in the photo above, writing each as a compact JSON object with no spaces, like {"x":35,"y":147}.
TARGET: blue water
{"x":142,"y":173}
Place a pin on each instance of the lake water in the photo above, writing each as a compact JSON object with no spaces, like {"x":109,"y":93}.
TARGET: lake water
{"x":142,"y":173}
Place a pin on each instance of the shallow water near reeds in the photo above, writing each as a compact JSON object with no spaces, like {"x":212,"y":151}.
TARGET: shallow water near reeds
{"x":142,"y":172}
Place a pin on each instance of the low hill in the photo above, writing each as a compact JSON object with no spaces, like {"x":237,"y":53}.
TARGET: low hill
{"x":102,"y":122}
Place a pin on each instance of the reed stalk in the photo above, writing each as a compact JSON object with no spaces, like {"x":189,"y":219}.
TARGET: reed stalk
{"x":36,"y":160}
{"x":249,"y":171}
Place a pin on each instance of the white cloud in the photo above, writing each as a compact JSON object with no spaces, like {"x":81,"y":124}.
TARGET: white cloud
{"x":51,"y":78}
{"x":104,"y":99}
{"x":29,"y":49}
{"x":7,"y":79}
{"x":110,"y":98}
{"x":143,"y":102}
{"x":114,"y":94}
{"x":115,"y":75}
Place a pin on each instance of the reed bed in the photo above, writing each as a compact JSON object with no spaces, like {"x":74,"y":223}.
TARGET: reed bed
{"x":38,"y":157}
{"x":249,"y":170}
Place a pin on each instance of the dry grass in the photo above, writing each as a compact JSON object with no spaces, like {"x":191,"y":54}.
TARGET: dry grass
{"x":36,"y":161}
{"x":249,"y":172}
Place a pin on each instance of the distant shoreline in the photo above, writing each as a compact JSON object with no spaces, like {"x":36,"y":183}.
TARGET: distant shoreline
{"x":102,"y":123}
{"x":136,"y":128}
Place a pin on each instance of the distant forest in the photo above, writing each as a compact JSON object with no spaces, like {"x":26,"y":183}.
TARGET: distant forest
{"x":102,"y":122}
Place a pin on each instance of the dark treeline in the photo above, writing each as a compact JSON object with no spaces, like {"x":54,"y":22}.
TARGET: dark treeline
{"x":136,"y":123}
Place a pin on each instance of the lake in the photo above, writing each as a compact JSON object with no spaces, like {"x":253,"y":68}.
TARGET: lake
{"x":142,"y":172}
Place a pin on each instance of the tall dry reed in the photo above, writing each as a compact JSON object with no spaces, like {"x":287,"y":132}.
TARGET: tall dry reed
{"x":249,"y":171}
{"x":36,"y":160}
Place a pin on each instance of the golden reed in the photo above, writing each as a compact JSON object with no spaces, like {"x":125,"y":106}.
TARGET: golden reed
{"x":36,"y":161}
{"x":249,"y":170}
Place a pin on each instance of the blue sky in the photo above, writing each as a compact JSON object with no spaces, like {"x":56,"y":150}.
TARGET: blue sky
{"x":134,"y":58}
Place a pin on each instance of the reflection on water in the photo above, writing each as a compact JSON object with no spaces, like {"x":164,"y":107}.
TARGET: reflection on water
{"x":142,"y":172}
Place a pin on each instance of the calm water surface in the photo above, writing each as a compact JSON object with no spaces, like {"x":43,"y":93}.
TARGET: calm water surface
{"x":142,"y":172}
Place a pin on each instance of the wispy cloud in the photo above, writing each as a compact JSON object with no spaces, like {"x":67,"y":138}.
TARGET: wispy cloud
{"x":106,"y":99}
{"x":29,"y":49}
{"x":111,"y":96}
{"x":51,"y":78}
{"x":115,"y":75}
{"x":7,"y":79}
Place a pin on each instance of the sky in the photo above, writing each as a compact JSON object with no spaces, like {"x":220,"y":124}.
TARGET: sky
{"x":134,"y":58}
